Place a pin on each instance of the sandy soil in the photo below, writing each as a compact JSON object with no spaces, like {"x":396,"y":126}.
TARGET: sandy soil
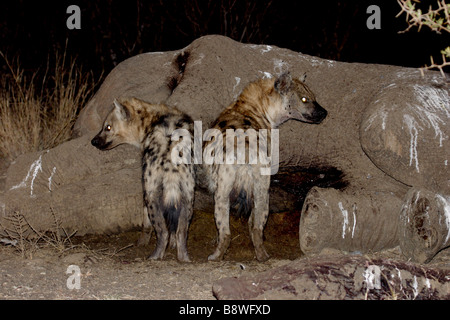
{"x":112,"y":267}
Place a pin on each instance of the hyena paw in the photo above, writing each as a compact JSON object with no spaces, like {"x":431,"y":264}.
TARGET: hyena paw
{"x":262,"y":255}
{"x":184,"y":258}
{"x":155,"y":256}
{"x":216,"y":256}
{"x":221,"y":249}
{"x":182,"y":254}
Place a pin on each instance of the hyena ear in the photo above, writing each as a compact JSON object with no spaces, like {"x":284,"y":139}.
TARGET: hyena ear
{"x":303,"y":78}
{"x":283,"y":83}
{"x":121,"y":110}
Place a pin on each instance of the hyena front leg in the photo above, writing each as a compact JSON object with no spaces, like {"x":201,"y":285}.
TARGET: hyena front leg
{"x":222,"y":211}
{"x":259,"y":215}
{"x":182,"y":234}
{"x":147,"y":229}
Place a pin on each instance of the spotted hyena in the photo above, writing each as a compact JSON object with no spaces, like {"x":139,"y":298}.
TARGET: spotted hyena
{"x":264,"y":104}
{"x":168,"y":185}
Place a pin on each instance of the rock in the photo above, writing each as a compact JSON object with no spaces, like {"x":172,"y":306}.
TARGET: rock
{"x":374,"y":142}
{"x":339,"y":277}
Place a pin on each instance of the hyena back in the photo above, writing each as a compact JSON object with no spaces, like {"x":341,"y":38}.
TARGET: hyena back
{"x":168,"y":186}
{"x":264,"y":104}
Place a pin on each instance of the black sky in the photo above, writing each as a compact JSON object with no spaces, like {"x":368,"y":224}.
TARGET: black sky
{"x":112,"y":31}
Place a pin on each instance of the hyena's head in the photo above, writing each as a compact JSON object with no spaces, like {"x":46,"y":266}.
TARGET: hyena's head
{"x":118,"y":128}
{"x":298,"y":100}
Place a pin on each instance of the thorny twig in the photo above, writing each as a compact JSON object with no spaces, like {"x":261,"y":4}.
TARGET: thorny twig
{"x":433,"y":65}
{"x":436,"y":19}
{"x":431,"y":19}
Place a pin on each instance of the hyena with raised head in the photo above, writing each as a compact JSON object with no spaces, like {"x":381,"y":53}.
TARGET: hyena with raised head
{"x":168,"y":185}
{"x":264,"y":104}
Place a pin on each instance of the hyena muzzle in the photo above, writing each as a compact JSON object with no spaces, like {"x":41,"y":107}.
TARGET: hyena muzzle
{"x":168,"y":185}
{"x":264,"y":104}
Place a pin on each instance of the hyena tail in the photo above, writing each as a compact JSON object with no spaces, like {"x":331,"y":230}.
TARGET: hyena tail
{"x":241,"y":196}
{"x":171,"y":202}
{"x":241,"y":202}
{"x":171,"y":215}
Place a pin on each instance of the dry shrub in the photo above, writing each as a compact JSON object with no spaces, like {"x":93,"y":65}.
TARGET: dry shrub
{"x":26,"y":240}
{"x":438,"y":20}
{"x":37,"y":115}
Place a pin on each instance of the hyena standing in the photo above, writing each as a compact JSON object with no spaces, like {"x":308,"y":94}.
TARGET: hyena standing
{"x":264,"y":104}
{"x":168,"y":186}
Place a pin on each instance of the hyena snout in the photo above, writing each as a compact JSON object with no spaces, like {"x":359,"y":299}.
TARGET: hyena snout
{"x":318,"y":113}
{"x":313,"y":113}
{"x":100,"y":143}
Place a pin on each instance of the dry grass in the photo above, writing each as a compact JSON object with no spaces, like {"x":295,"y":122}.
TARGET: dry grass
{"x":37,"y":116}
{"x":37,"y":112}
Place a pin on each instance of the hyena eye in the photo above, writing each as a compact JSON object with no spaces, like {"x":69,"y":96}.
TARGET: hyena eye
{"x":108,"y":128}
{"x":304,"y":99}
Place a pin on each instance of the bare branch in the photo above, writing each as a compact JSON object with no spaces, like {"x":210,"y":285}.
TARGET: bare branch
{"x":435,"y":19}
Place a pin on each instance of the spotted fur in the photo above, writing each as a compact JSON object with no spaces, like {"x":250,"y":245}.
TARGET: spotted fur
{"x":168,"y":186}
{"x":264,"y":104}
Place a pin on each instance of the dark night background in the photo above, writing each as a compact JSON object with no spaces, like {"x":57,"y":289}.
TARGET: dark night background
{"x":111,"y":31}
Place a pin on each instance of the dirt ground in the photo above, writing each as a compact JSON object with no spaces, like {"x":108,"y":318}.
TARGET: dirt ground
{"x":112,"y":267}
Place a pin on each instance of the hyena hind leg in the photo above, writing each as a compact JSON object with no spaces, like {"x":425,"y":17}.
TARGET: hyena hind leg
{"x":162,"y":235}
{"x":182,"y":234}
{"x":147,"y":230}
{"x":222,"y":216}
{"x":258,"y":217}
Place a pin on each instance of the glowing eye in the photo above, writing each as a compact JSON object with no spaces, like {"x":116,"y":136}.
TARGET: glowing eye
{"x":108,"y":128}
{"x":304,"y":100}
